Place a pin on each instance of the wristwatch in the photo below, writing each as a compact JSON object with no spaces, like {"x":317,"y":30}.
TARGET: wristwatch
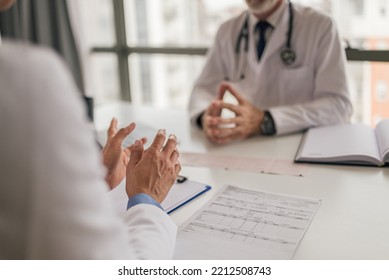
{"x":267,"y":126}
{"x":199,"y":120}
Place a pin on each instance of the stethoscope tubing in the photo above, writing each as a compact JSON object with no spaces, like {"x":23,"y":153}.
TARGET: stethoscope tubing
{"x":288,"y":55}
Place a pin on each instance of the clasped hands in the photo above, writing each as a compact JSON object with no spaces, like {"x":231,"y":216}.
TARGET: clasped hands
{"x":152,"y":171}
{"x":244,"y":124}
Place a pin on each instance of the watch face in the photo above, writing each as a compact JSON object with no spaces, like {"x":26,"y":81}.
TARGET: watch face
{"x":267,"y":125}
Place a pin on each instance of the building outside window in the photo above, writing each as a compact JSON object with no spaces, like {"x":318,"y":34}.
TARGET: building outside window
{"x":160,"y":35}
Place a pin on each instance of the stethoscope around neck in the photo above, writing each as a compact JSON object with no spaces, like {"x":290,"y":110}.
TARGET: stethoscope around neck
{"x":287,"y":55}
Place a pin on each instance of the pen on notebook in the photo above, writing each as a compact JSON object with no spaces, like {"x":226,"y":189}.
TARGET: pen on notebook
{"x":181,"y":179}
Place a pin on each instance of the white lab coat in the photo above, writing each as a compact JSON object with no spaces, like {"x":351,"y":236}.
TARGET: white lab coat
{"x":53,"y":198}
{"x":313,"y":91}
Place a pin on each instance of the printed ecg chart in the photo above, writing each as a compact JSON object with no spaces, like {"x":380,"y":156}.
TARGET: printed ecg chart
{"x":246,"y":224}
{"x":249,"y":164}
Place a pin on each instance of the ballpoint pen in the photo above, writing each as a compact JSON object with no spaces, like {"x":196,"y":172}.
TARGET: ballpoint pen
{"x":181,"y":179}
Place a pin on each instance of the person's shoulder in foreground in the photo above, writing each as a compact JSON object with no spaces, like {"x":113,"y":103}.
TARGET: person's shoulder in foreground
{"x":53,"y":203}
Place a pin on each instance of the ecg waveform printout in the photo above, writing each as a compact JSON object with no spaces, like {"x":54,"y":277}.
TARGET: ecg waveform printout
{"x":248,"y":164}
{"x":245,"y":224}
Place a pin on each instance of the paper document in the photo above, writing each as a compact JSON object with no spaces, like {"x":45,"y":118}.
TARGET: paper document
{"x":249,"y":164}
{"x":179,"y":195}
{"x":245,"y":224}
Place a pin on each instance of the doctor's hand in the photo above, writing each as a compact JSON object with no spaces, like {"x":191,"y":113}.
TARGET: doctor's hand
{"x":153,"y":171}
{"x":115,"y":158}
{"x":246,"y":122}
{"x":209,"y":119}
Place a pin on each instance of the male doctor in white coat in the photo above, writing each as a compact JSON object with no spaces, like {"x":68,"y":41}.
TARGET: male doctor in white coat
{"x":53,"y":186}
{"x":286,"y":77}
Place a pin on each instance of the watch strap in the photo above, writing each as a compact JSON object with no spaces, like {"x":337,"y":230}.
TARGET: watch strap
{"x":268,"y":126}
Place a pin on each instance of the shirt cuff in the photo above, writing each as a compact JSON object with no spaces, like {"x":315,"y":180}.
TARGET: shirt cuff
{"x":142,"y":198}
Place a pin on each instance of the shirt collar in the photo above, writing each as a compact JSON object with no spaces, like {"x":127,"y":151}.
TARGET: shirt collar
{"x":274,"y":19}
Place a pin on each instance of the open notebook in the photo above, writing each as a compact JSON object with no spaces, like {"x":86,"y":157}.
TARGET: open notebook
{"x":346,"y":144}
{"x":179,"y":195}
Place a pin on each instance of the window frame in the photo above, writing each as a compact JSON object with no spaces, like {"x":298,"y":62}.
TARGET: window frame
{"x":123,"y":51}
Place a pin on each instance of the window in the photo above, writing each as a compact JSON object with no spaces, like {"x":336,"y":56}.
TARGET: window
{"x":105,"y":77}
{"x":152,"y":51}
{"x":381,"y":91}
{"x":357,"y":7}
{"x":383,"y":8}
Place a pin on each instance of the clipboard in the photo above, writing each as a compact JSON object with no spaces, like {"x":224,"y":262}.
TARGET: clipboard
{"x":182,"y":192}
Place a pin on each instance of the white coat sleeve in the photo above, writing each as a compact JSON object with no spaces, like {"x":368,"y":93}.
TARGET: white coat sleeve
{"x":70,"y":213}
{"x":206,"y":86}
{"x":331,"y":103}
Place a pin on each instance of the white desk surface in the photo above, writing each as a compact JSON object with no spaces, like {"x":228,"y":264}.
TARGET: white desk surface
{"x":353,"y":219}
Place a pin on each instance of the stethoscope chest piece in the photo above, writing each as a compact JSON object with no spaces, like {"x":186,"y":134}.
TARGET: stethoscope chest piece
{"x":288,"y":56}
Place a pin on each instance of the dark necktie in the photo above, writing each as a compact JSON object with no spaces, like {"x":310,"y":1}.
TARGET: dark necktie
{"x":262,"y":26}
